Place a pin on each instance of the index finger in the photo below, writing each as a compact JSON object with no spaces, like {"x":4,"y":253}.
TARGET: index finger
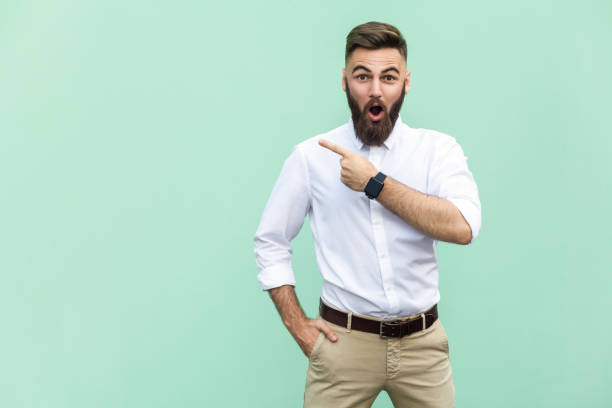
{"x":334,"y":147}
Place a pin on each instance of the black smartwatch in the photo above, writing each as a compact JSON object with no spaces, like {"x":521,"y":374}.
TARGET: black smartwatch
{"x":375,"y":185}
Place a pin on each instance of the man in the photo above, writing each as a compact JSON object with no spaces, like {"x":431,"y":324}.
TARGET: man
{"x":379,"y":195}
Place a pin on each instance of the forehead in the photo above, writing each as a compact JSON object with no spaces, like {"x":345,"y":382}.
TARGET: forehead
{"x":376,"y":60}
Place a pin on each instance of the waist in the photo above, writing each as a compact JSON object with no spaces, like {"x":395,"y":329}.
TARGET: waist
{"x":380,"y":305}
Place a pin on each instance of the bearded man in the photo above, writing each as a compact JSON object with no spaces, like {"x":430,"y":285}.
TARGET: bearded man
{"x":379,"y":195}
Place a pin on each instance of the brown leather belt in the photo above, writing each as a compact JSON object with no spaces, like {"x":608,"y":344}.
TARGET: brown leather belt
{"x":396,"y":327}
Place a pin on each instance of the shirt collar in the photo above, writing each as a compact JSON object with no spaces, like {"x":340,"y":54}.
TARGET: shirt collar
{"x":387,"y":143}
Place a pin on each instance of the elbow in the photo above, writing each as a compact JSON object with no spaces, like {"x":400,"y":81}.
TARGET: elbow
{"x":465,"y":235}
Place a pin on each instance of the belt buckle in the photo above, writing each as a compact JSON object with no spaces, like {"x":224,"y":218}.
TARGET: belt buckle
{"x":392,"y":323}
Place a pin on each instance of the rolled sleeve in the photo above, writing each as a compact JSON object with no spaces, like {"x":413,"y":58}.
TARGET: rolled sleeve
{"x":281,"y":221}
{"x":275,"y":276}
{"x":451,"y":179}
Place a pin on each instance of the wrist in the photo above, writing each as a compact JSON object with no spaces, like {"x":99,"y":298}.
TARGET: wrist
{"x":367,"y":180}
{"x":375,"y":185}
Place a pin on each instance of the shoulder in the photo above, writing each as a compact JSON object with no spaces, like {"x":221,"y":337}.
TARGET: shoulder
{"x":435,"y":142}
{"x":434,"y":137}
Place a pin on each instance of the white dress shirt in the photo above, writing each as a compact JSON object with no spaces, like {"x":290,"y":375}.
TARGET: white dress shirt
{"x":372,"y":262}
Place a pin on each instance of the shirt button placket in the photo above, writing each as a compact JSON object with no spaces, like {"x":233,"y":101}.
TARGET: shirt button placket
{"x":380,"y":240}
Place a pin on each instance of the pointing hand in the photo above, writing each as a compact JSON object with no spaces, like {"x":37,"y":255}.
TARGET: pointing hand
{"x":356,"y":170}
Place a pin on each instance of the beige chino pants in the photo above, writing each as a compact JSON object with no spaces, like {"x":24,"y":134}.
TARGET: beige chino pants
{"x":414,"y":370}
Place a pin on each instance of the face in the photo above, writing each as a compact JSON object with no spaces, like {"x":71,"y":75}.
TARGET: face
{"x":375,"y":82}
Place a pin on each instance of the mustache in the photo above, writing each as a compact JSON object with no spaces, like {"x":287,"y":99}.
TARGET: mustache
{"x":372,"y":102}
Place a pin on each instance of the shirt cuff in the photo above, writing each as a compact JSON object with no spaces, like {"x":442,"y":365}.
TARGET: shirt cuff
{"x":275,"y":276}
{"x":470,"y":212}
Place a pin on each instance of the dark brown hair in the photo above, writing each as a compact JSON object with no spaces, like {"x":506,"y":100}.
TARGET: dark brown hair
{"x":374,"y":35}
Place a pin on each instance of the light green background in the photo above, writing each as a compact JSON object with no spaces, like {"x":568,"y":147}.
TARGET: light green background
{"x":139,"y":142}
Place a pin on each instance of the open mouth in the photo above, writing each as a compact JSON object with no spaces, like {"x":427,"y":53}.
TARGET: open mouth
{"x":375,"y":113}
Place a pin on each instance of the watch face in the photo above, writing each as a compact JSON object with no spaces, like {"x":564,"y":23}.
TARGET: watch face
{"x":373,"y":188}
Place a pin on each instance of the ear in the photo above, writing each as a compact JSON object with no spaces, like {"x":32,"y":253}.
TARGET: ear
{"x":407,"y":84}
{"x":343,"y":80}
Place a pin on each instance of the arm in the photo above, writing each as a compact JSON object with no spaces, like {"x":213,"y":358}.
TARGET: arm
{"x":451,"y":213}
{"x":281,"y":221}
{"x":435,"y":217}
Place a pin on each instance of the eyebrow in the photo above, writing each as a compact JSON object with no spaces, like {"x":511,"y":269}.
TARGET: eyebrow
{"x":368,"y":70}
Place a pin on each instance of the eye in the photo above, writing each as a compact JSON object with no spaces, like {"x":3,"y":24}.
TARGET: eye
{"x":362,"y":77}
{"x":389,"y":77}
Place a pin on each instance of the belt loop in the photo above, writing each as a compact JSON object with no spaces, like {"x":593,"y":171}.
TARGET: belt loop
{"x":349,"y":320}
{"x":424,"y":322}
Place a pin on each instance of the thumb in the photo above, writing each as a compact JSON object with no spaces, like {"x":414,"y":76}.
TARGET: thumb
{"x":327,"y":330}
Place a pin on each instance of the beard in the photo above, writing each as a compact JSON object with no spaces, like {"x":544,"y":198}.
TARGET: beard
{"x":369,"y":132}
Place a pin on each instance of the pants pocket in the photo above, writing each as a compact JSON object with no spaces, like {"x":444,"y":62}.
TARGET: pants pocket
{"x":317,"y":345}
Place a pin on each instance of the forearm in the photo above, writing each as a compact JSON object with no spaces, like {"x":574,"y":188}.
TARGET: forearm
{"x":288,"y":307}
{"x":435,"y":217}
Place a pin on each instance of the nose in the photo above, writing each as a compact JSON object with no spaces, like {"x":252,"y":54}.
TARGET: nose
{"x":375,"y":91}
